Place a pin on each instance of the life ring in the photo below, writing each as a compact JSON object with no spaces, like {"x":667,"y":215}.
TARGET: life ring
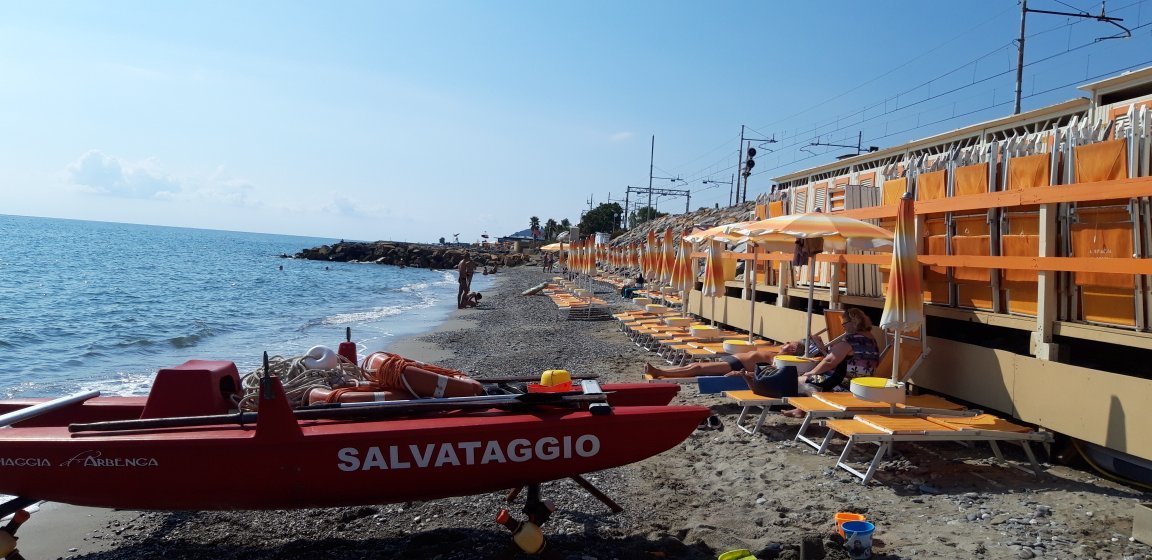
{"x":350,"y":395}
{"x":391,"y":372}
{"x":534,"y":289}
{"x":321,"y":357}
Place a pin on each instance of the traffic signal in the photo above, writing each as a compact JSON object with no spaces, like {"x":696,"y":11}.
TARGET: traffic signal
{"x":749,"y":163}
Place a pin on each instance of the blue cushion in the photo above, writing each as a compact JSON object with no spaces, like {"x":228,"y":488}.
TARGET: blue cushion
{"x":721,"y":383}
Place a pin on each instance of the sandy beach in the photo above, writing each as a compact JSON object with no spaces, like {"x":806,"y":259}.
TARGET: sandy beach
{"x":719,"y":490}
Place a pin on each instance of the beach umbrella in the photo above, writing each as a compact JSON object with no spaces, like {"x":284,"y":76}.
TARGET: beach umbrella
{"x":722,"y":232}
{"x":714,"y":268}
{"x":667,"y":257}
{"x":714,"y":273}
{"x":649,"y":256}
{"x":682,"y":277}
{"x":904,"y":300}
{"x":552,"y":247}
{"x":833,"y":231}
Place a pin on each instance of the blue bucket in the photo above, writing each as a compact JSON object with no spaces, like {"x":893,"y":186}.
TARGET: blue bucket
{"x":858,"y":539}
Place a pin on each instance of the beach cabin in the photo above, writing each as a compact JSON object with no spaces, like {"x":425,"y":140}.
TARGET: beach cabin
{"x":1034,"y":238}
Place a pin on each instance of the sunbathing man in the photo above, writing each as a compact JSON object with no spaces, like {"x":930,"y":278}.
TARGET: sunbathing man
{"x":744,"y":361}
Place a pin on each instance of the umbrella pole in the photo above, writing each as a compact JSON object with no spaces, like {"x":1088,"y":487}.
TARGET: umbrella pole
{"x":896,"y":357}
{"x":752,"y":296}
{"x":811,"y":292}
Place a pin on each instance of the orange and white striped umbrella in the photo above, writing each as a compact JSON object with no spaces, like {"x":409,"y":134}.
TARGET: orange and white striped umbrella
{"x":904,"y":300}
{"x":836,"y":231}
{"x":723,"y":232}
{"x":682,"y":278}
{"x":714,"y":269}
{"x":667,"y":257}
{"x":648,"y":258}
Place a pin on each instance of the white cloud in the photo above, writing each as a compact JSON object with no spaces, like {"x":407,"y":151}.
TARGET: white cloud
{"x":343,"y":206}
{"x":104,"y":174}
{"x":620,"y":136}
{"x":232,"y":192}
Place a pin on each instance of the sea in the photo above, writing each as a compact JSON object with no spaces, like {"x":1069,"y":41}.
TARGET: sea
{"x":102,"y":306}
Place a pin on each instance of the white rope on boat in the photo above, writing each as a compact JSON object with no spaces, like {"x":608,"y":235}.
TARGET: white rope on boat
{"x":297,"y":379}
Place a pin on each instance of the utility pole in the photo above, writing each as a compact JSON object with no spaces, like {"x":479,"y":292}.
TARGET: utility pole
{"x":651,"y":165}
{"x":659,"y":192}
{"x":1025,"y":10}
{"x":626,"y":193}
{"x":747,"y":163}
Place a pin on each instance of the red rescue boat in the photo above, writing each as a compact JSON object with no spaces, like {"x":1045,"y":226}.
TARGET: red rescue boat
{"x":183,"y":448}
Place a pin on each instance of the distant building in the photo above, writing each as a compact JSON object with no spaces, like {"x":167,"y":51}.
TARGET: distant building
{"x":522,"y":235}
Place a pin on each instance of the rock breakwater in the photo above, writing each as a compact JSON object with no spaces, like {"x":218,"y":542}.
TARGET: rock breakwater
{"x":408,"y":254}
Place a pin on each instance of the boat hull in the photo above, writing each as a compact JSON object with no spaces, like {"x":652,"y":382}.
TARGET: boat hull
{"x":329,"y":462}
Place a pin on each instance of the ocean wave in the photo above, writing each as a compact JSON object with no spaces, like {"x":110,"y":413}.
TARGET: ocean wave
{"x":190,"y":340}
{"x":413,"y":287}
{"x":362,"y":316}
{"x":125,"y":384}
{"x":131,"y":344}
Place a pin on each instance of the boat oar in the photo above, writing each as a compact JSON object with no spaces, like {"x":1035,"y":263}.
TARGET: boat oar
{"x":44,"y":407}
{"x":527,"y":378}
{"x":366,"y":410}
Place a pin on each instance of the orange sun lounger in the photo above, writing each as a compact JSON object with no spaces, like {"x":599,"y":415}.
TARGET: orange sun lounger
{"x":830,"y":405}
{"x":886,"y":429}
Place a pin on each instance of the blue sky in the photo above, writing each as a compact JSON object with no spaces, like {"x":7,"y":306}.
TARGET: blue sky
{"x":418,"y":120}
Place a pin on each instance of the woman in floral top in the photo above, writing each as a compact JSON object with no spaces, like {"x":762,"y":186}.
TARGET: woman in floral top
{"x":856,"y":354}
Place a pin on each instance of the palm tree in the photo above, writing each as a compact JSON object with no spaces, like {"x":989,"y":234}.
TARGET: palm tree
{"x":550,"y":229}
{"x":534,"y":225}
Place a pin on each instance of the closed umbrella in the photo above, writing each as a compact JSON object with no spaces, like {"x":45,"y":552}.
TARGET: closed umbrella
{"x":714,"y":272}
{"x":667,"y":257}
{"x":682,"y":278}
{"x":649,"y":256}
{"x":904,"y":300}
{"x":834,"y":231}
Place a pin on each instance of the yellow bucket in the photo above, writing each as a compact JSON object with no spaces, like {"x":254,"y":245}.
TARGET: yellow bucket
{"x":555,"y":377}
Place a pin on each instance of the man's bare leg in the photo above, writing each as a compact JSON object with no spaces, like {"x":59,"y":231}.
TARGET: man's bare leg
{"x":691,"y":370}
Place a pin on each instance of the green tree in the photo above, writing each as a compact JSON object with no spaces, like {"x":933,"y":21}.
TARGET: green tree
{"x":441,"y":240}
{"x":534,"y":225}
{"x":604,"y":218}
{"x":551,"y":228}
{"x":644,"y":214}
{"x":565,"y":224}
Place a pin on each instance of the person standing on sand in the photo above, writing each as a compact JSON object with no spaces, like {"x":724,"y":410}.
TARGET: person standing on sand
{"x":465,"y":268}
